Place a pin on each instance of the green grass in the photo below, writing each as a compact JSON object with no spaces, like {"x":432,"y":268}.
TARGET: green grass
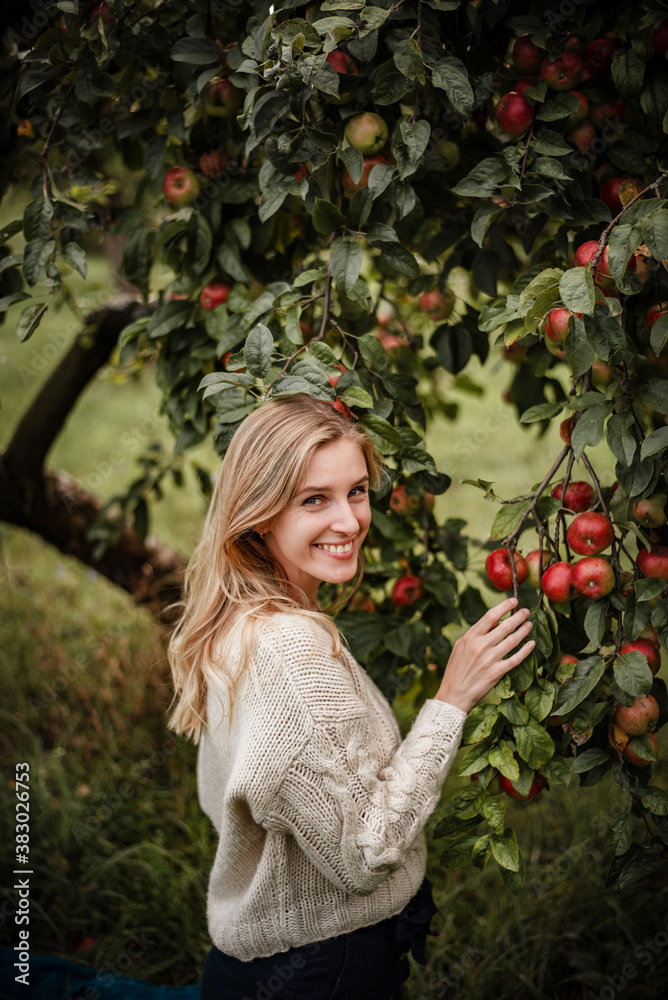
{"x":119,"y":844}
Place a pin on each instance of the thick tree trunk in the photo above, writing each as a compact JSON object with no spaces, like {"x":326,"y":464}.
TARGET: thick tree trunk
{"x":56,"y":508}
{"x":53,"y":505}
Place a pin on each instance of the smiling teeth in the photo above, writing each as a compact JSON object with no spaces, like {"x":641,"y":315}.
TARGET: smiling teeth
{"x":339,"y":549}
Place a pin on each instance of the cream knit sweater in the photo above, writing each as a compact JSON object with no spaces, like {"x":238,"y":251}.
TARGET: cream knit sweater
{"x":319,"y":806}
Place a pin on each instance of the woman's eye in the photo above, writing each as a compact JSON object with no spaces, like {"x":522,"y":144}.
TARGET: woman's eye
{"x":312,"y":501}
{"x":358,"y":490}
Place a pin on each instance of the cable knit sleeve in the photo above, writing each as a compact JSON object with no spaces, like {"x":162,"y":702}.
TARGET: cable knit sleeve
{"x":354,"y":801}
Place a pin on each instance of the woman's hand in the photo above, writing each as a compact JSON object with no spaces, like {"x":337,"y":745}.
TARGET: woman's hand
{"x":477,"y":659}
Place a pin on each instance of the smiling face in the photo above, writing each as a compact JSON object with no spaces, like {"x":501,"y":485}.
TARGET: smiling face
{"x":317,"y":537}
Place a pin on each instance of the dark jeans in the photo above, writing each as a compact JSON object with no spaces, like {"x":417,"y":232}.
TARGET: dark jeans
{"x":367,"y":964}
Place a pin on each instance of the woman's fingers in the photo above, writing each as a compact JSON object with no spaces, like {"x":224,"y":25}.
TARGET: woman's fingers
{"x":491,"y":617}
{"x":512,"y":640}
{"x":516,"y":658}
{"x":504,"y":628}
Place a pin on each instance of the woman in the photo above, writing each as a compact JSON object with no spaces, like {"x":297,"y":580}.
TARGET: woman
{"x":319,"y":806}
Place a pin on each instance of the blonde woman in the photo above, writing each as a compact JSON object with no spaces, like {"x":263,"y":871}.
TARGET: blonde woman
{"x":317,"y":885}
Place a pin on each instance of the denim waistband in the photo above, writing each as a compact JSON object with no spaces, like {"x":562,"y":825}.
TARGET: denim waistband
{"x":413,"y":922}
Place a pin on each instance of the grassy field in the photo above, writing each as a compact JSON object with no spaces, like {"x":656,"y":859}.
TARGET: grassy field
{"x":119,"y":844}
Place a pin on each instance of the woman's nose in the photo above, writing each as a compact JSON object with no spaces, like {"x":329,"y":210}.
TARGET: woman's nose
{"x":345,"y":520}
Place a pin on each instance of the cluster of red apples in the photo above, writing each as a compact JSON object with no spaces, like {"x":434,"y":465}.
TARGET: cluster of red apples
{"x":589,"y":534}
{"x":515,"y":111}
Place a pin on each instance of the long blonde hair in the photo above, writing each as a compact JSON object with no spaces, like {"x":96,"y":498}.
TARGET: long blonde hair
{"x":232,"y":577}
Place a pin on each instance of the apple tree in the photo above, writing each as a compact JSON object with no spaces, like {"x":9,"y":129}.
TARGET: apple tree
{"x":298,"y":190}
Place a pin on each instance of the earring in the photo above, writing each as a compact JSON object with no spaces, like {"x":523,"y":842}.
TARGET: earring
{"x":261,"y":533}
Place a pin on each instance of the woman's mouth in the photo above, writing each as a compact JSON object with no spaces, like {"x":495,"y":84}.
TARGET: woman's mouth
{"x":336,"y":550}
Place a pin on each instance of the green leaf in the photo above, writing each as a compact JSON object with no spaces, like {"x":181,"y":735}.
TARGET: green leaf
{"x":550,"y":144}
{"x":513,"y":881}
{"x":493,"y":809}
{"x":37,"y":220}
{"x":628,"y":71}
{"x":35,"y":259}
{"x":372,"y":351}
{"x":647,"y":590}
{"x":483,"y":180}
{"x":588,"y":431}
{"x":258,"y":350}
{"x":577,"y":290}
{"x":408,"y":59}
{"x":655,"y":395}
{"x":482,"y":220}
{"x":659,"y":334}
{"x":539,"y":699}
{"x":29,"y":320}
{"x":534,"y":744}
{"x":200,"y":243}
{"x":196,"y":51}
{"x":390,"y":84}
{"x":505,"y":850}
{"x":326,"y":217}
{"x":415,"y":138}
{"x":513,"y":709}
{"x":353,"y":161}
{"x":399,"y":258}
{"x":544,"y":281}
{"x":75,"y":255}
{"x":507,"y":518}
{"x":542,"y":411}
{"x":655,"y":799}
{"x":587,"y":759}
{"x":450,"y":75}
{"x":501,"y":757}
{"x":594,"y":623}
{"x":459,"y":853}
{"x":382,"y":433}
{"x":480,"y":722}
{"x":346,"y":258}
{"x":579,"y":352}
{"x":586,"y":675}
{"x":472,"y":762}
{"x":632,"y":674}
{"x":380,"y":176}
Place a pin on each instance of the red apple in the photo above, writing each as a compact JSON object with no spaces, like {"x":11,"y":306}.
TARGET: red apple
{"x":526,"y":56}
{"x":583,"y":136}
{"x":660,"y":37}
{"x":599,"y":55}
{"x":514,"y":114}
{"x":222,"y":99}
{"x":649,"y":632}
{"x":638,"y":718}
{"x":654,"y":562}
{"x":368,"y":163}
{"x":565,"y":665}
{"x":593,"y":577}
{"x":180,"y":186}
{"x":606,"y":113}
{"x":648,"y":650}
{"x":533,"y":566}
{"x":579,"y":495}
{"x":214,"y":294}
{"x":436,"y":305}
{"x":566,"y":429}
{"x":401,"y":501}
{"x":226,"y":357}
{"x":590,"y":533}
{"x":367,"y":132}
{"x":101,"y":10}
{"x":558,"y":325}
{"x":407,"y":590}
{"x":342,"y":62}
{"x":632,"y":757}
{"x":650,"y":512}
{"x":214,"y":163}
{"x":609,"y":194}
{"x":563,"y":73}
{"x":302,"y":173}
{"x":537,"y":785}
{"x":499,"y":570}
{"x":557,"y":582}
{"x":654,"y":313}
{"x":521,"y":86}
{"x":580,"y":112}
{"x":514,"y":352}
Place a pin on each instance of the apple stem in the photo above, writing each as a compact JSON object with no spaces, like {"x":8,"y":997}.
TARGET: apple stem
{"x":654,"y":186}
